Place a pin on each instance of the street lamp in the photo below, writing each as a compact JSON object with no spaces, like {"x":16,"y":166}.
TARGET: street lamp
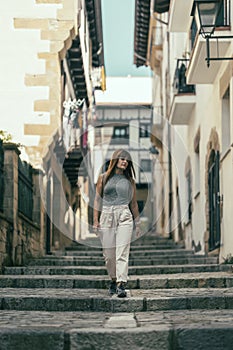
{"x":208,"y":11}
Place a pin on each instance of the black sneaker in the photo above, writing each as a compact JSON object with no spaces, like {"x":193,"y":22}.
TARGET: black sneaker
{"x":121,"y":293}
{"x":112,"y":288}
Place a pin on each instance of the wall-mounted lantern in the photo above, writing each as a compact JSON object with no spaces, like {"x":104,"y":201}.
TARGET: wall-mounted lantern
{"x":208,"y":11}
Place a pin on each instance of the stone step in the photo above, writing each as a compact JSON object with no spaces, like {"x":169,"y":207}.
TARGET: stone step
{"x":153,"y":240}
{"x":155,"y":246}
{"x":160,"y":330}
{"x":97,"y":300}
{"x":141,"y":252}
{"x":143,"y":240}
{"x":168,"y":281}
{"x":99,"y":270}
{"x":99,"y":261}
{"x":82,"y":247}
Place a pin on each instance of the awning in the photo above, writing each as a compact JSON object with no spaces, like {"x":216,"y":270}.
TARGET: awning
{"x":141,"y":29}
{"x":75,"y":64}
{"x":95,"y":29}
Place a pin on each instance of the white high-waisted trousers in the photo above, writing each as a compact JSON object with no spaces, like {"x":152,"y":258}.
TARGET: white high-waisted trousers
{"x":116,"y":227}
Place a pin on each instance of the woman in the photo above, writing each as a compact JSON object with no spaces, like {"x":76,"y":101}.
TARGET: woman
{"x":115,"y":214}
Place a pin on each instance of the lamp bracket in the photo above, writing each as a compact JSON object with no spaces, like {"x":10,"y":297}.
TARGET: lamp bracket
{"x":221,"y":37}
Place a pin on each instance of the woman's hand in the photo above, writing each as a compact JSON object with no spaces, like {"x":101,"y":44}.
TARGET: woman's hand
{"x":96,"y":227}
{"x":138,"y":230}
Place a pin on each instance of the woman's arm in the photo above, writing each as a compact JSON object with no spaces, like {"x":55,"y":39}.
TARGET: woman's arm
{"x":133,"y":205}
{"x":98,"y":202}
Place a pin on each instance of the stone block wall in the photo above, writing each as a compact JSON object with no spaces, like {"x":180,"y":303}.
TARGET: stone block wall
{"x":21,"y":238}
{"x":6,"y":241}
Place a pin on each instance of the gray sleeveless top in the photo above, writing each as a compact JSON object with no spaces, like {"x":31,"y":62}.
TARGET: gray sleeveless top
{"x":117,"y":191}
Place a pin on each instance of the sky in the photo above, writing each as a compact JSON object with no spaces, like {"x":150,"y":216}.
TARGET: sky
{"x":118,"y":35}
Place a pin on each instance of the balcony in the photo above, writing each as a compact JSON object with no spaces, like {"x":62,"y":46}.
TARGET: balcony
{"x":178,"y":7}
{"x":198,"y":72}
{"x":184,"y":96}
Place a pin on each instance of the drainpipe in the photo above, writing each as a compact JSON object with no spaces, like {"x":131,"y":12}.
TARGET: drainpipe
{"x":170,"y":181}
{"x":169,"y":150}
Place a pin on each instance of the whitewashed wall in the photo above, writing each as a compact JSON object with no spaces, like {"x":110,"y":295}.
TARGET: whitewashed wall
{"x":19,"y":48}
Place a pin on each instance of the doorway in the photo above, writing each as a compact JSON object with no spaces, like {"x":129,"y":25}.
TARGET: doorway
{"x":214,"y":201}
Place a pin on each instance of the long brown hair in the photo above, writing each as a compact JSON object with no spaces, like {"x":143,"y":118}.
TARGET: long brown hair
{"x":129,"y":172}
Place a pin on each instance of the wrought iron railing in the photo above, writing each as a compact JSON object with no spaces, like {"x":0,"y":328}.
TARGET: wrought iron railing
{"x":1,"y":175}
{"x":179,"y":83}
{"x":25,"y":189}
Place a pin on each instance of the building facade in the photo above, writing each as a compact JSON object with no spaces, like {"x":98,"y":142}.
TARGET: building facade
{"x":54,"y":63}
{"x":197,"y":131}
{"x":127,"y":127}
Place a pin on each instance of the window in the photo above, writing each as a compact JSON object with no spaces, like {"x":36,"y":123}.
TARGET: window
{"x":145,"y":165}
{"x":193,"y":31}
{"x":121,"y":132}
{"x":226,"y":121}
{"x":144,"y":130}
{"x":223,"y":18}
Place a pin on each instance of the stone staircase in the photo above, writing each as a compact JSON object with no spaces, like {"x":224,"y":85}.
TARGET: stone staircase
{"x":176,"y":301}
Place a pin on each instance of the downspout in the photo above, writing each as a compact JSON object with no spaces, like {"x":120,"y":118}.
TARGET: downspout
{"x":170,"y":203}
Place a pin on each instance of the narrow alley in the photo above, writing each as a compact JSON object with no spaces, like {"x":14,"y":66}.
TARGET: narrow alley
{"x":116,"y":172}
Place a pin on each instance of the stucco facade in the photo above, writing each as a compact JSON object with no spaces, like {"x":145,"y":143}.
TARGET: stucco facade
{"x":197,"y":112}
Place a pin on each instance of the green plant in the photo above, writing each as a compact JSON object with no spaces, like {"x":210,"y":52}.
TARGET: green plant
{"x":228,"y":259}
{"x":5,"y":136}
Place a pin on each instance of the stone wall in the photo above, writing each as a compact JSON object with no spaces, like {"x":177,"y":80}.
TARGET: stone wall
{"x":21,"y":238}
{"x":23,"y":235}
{"x":6,"y":241}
